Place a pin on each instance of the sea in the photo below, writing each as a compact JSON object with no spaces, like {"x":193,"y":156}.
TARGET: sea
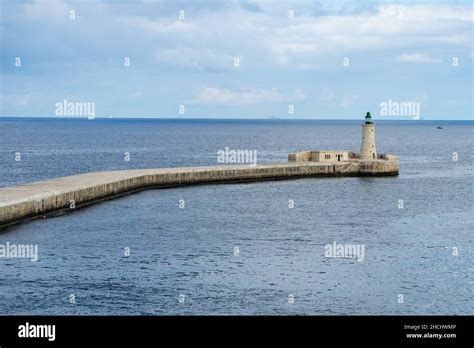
{"x":247,"y":248}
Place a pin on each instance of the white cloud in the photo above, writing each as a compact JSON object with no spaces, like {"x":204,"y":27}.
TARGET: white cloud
{"x":391,"y":27}
{"x":270,"y":38}
{"x":223,"y":96}
{"x":54,"y":11}
{"x":194,"y":58}
{"x":428,"y":13}
{"x":417,"y":58}
{"x":157,"y":26}
{"x":327,"y":94}
{"x":18,"y":99}
{"x":348,"y":100}
{"x":222,"y":30}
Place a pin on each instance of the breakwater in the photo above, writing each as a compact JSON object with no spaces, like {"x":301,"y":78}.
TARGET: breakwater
{"x":42,"y":198}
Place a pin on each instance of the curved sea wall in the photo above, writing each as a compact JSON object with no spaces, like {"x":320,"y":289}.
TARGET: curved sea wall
{"x":39,"y":199}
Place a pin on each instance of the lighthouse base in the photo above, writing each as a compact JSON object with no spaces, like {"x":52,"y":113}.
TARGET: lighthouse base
{"x":350,"y":163}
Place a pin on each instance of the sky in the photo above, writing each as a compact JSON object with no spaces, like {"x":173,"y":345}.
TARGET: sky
{"x":238,"y":59}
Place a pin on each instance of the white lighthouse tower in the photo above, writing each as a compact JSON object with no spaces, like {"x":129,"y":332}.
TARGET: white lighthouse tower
{"x":367,"y":148}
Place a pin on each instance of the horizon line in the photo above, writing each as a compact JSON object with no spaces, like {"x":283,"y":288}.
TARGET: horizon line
{"x":233,"y":118}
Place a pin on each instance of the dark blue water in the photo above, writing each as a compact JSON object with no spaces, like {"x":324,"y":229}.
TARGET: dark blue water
{"x":190,"y":251}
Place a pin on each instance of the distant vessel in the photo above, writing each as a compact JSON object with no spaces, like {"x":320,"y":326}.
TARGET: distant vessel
{"x":439,"y":127}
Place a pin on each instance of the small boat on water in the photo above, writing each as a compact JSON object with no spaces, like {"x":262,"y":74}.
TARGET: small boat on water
{"x":439,"y":127}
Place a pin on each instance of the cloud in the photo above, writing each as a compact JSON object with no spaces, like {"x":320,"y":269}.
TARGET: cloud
{"x":57,"y":11}
{"x":348,"y":100}
{"x":417,"y":58}
{"x":390,"y":27}
{"x":327,"y":95}
{"x":146,"y":25}
{"x":189,"y":58}
{"x":223,"y":96}
{"x":250,"y":6}
{"x":172,"y":59}
{"x":214,"y":31}
{"x":18,"y":99}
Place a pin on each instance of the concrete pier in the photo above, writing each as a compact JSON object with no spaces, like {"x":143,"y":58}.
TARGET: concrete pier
{"x":42,"y":198}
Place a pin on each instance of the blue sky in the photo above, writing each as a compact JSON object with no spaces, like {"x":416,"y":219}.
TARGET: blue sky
{"x":330,"y":60}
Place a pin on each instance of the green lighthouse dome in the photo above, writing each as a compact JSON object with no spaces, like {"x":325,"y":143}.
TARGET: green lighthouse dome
{"x":368,"y":118}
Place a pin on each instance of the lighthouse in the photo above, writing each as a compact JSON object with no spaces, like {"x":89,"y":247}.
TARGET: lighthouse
{"x":367,"y":148}
{"x":343,"y":162}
